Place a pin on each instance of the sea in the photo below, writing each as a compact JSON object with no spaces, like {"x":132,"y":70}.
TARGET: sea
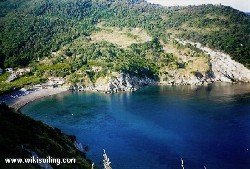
{"x":156,"y":126}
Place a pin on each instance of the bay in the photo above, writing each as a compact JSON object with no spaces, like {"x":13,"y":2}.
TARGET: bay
{"x":154,"y":127}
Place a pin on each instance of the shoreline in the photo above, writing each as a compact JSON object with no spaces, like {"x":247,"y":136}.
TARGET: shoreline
{"x":38,"y":94}
{"x":21,"y":101}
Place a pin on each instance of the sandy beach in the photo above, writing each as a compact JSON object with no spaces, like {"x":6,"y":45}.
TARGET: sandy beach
{"x":38,"y":94}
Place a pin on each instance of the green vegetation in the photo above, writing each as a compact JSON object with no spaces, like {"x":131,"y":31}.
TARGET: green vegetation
{"x":4,"y":77}
{"x":58,"y":69}
{"x":70,"y":38}
{"x":218,"y":27}
{"x":18,"y":83}
{"x":20,"y":135}
{"x":32,"y":29}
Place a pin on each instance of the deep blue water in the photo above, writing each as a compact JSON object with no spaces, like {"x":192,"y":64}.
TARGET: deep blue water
{"x":155,"y":127}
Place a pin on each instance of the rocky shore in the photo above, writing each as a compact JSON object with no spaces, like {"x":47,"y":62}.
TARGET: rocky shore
{"x":225,"y":69}
{"x":178,"y":77}
{"x":117,"y":82}
{"x":222,"y":67}
{"x":121,"y":82}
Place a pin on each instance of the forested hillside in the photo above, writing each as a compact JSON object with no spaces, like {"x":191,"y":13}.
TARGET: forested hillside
{"x":34,"y":28}
{"x":83,"y":40}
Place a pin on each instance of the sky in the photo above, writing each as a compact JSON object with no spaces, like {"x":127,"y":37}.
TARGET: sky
{"x":242,"y":5}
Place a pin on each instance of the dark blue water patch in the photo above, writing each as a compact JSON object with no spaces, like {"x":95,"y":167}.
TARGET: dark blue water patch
{"x":157,"y":126}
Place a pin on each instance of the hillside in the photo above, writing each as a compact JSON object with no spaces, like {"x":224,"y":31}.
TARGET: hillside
{"x":31,"y":29}
{"x":22,"y":137}
{"x":72,"y":38}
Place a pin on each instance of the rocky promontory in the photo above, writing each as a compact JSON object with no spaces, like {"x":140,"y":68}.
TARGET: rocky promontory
{"x":115,"y":82}
{"x":121,"y":82}
{"x":222,"y":68}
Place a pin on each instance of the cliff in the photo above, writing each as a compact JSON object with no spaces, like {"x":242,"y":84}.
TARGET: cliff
{"x":222,"y":67}
{"x":115,"y":82}
{"x":121,"y":82}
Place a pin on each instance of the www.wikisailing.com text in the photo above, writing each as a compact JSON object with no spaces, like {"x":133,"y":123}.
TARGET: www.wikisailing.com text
{"x":37,"y":160}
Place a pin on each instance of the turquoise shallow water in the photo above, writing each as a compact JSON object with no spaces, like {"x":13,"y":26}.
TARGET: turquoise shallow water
{"x":156,"y":126}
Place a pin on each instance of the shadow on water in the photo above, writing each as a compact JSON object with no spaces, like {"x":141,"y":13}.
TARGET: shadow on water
{"x":157,"y":125}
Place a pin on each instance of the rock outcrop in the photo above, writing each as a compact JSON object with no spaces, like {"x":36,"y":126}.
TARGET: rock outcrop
{"x":227,"y":70}
{"x":222,"y":67}
{"x":121,"y":82}
{"x":178,"y":77}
